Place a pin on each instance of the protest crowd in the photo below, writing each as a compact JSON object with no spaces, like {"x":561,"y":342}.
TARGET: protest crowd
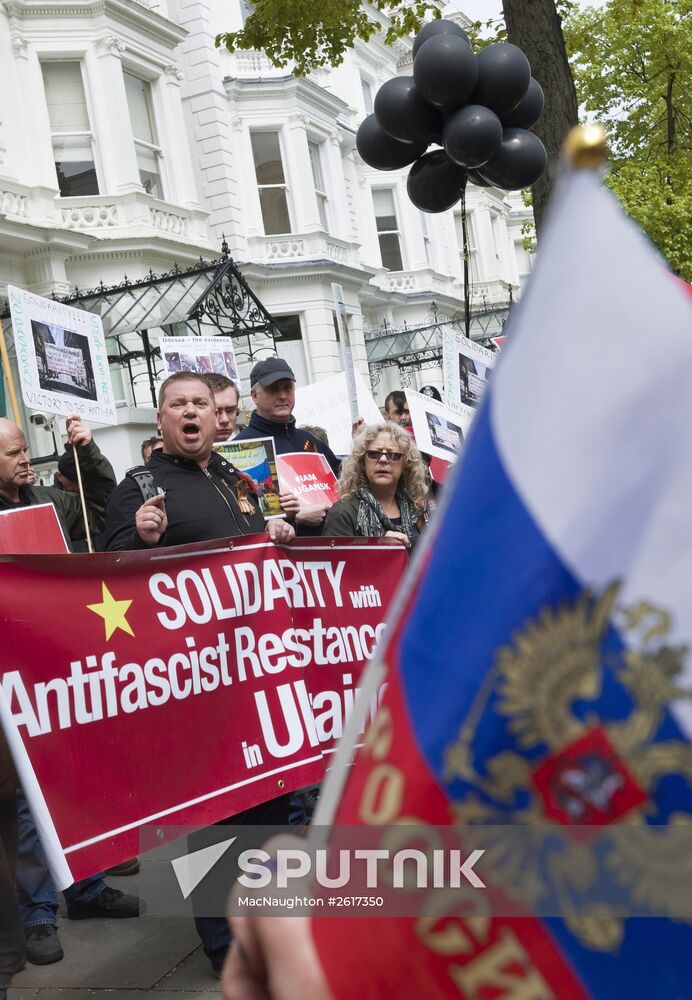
{"x":184,"y":492}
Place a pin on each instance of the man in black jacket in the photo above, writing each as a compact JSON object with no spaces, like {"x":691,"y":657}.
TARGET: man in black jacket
{"x":273,"y":390}
{"x":97,"y":477}
{"x":204,"y":497}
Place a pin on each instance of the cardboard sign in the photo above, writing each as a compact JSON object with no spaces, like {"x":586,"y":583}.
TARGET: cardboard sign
{"x":439,"y":430}
{"x":182,"y":685}
{"x":466,"y":366}
{"x":256,"y":457}
{"x":61,"y":358}
{"x":36,"y":530}
{"x":310,"y":477}
{"x":203,"y":355}
{"x":326,"y":404}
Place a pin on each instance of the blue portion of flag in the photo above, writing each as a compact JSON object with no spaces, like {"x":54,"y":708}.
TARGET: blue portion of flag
{"x":478,"y":594}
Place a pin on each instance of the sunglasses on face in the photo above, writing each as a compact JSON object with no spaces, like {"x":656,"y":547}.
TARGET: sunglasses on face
{"x":391,"y":456}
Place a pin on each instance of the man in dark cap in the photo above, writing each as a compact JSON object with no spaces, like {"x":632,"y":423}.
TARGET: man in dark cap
{"x":273,"y":390}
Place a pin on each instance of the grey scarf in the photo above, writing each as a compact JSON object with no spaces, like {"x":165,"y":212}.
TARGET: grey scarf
{"x":372,"y":522}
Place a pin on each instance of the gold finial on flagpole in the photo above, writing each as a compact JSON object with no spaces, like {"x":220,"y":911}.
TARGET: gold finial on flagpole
{"x":586,"y":147}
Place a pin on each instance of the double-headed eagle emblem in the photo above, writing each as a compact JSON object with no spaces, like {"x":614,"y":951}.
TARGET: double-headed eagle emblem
{"x":585,"y":748}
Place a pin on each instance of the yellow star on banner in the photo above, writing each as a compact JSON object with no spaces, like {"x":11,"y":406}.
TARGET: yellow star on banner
{"x":113,"y":612}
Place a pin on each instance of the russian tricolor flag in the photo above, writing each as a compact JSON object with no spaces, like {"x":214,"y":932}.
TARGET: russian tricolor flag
{"x":538,"y":669}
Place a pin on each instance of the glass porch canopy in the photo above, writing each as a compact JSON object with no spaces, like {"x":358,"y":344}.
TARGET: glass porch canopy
{"x":385,"y":347}
{"x":211,"y":298}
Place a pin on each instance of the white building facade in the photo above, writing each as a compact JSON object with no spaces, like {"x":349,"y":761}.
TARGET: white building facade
{"x":130,"y":144}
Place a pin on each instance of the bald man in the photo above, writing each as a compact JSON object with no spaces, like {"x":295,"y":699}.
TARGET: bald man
{"x":16,"y":490}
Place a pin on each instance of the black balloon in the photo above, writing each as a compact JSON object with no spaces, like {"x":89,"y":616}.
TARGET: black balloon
{"x":528,"y":110}
{"x":472,"y":135}
{"x":518,"y":163}
{"x":438,"y":27}
{"x":504,"y":75}
{"x":476,"y":178}
{"x":382,"y":152}
{"x":434,"y":182}
{"x":445,"y":71}
{"x":404,"y":114}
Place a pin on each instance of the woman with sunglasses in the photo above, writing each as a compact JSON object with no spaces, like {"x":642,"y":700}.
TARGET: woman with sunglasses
{"x":384,"y":488}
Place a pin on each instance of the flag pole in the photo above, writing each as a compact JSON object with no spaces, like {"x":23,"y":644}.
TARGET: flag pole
{"x":8,"y":376}
{"x":82,"y":498}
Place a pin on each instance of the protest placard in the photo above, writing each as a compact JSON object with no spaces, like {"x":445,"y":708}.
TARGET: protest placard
{"x":35,"y":529}
{"x":190,"y":684}
{"x":256,"y":458}
{"x":466,"y":366}
{"x":439,"y":430}
{"x":203,"y":355}
{"x":310,"y":477}
{"x":326,"y":404}
{"x":61,"y":358}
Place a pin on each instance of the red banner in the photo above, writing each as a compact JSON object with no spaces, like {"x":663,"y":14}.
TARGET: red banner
{"x":180,"y":685}
{"x":309,"y":476}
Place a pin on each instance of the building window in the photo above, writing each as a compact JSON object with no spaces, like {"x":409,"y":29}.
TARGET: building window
{"x":387,"y":229}
{"x":366,"y":88}
{"x":289,"y":346}
{"x":315,"y":150}
{"x":144,"y":131}
{"x":474,"y":269}
{"x":427,"y":241}
{"x":271,"y":182}
{"x":73,"y":142}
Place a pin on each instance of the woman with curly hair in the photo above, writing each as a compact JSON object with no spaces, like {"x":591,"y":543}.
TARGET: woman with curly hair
{"x":384,"y":488}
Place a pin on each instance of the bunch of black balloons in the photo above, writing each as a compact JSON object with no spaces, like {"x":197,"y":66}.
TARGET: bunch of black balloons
{"x":479,"y":108}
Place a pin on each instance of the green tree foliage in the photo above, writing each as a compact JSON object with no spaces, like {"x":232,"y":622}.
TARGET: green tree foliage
{"x":632,"y":64}
{"x":312,"y":33}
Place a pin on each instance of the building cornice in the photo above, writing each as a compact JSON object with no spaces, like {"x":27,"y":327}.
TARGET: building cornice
{"x":303,"y":92}
{"x":132,"y":13}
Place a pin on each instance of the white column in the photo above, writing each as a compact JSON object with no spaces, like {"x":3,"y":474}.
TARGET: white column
{"x":488,"y":262}
{"x":174,"y":140}
{"x":112,"y":128}
{"x":322,"y":349}
{"x":306,"y":216}
{"x":336,"y":188}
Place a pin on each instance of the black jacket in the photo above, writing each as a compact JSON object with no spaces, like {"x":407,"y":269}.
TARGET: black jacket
{"x":98,"y":480}
{"x":287,"y":438}
{"x":200,"y":504}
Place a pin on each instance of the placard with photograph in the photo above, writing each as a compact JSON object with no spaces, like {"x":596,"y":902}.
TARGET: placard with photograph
{"x":256,"y":457}
{"x":202,"y":355}
{"x":439,"y":430}
{"x":466,"y":366}
{"x":61,"y":358}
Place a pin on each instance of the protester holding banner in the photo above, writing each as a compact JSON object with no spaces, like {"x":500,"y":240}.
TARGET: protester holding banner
{"x":205,"y":498}
{"x":98,"y":479}
{"x":274,"y":394}
{"x":384,"y":488}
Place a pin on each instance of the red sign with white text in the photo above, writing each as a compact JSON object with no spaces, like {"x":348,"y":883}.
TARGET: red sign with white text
{"x":180,"y":685}
{"x":31,"y":529}
{"x":310,"y":477}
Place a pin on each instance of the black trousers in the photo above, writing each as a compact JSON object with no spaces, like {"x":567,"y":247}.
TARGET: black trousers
{"x":11,"y":929}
